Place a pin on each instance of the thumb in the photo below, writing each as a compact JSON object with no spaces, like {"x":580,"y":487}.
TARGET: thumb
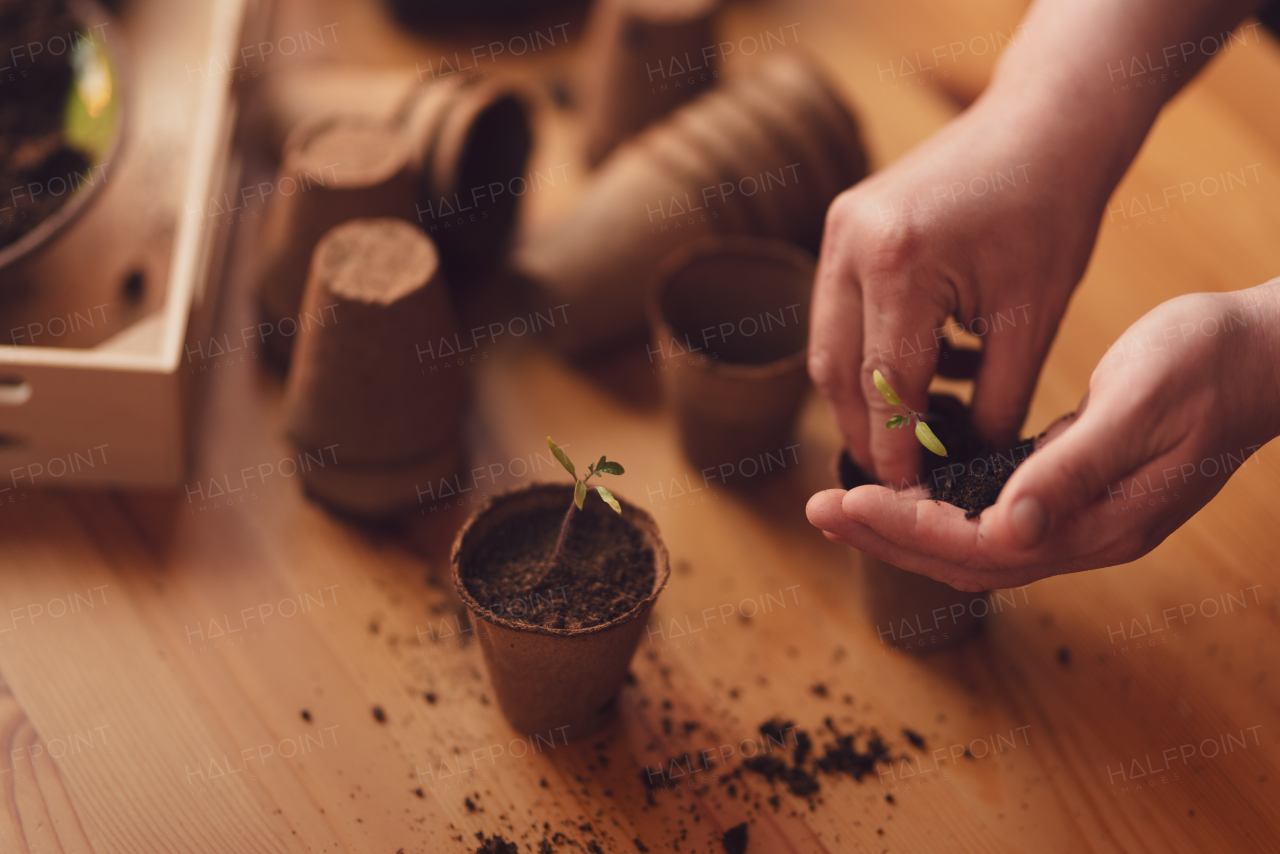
{"x":1066,"y":475}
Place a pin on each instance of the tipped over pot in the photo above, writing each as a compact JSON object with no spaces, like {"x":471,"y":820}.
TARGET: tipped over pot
{"x":557,"y":638}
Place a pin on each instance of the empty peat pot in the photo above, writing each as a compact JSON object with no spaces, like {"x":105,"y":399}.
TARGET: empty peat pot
{"x":730,"y":323}
{"x":911,"y":612}
{"x":548,"y":678}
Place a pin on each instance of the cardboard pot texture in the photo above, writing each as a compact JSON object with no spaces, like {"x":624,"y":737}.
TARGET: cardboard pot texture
{"x":554,"y":679}
{"x":730,"y":321}
{"x":910,"y":612}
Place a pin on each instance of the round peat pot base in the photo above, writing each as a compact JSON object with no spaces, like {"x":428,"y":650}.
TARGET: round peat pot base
{"x":562,"y":681}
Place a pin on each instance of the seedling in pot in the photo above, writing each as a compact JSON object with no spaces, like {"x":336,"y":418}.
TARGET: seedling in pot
{"x":923,"y":433}
{"x":598,"y":468}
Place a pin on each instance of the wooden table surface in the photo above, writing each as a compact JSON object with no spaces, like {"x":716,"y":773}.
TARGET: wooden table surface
{"x":188,"y":674}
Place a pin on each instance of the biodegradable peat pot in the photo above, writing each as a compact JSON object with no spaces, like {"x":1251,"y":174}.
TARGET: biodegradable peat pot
{"x":335,"y":168}
{"x":548,"y":678}
{"x":730,"y":322}
{"x":356,"y":382}
{"x":910,"y":612}
{"x":643,"y":59}
{"x":473,"y":154}
{"x":763,"y":155}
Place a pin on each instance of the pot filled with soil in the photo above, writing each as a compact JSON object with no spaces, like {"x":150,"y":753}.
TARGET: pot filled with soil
{"x":61,"y":118}
{"x":912,"y":612}
{"x":730,"y":323}
{"x":558,"y":600}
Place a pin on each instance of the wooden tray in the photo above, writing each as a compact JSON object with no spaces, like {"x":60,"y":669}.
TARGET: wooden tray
{"x":100,"y":331}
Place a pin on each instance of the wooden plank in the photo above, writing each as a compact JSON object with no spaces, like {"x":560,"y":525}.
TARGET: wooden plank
{"x":158,"y":665}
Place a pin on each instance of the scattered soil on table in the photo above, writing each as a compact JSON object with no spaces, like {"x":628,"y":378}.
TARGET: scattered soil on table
{"x":33,"y":149}
{"x":604,"y":570}
{"x":735,"y":839}
{"x":495,"y":845}
{"x":799,"y":776}
{"x":379,"y":715}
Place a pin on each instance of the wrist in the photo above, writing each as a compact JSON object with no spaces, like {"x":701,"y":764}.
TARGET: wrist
{"x":1082,"y":140}
{"x":1260,"y":361}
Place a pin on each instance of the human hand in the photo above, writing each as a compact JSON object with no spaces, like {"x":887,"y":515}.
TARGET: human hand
{"x":1179,"y":402}
{"x":991,"y":222}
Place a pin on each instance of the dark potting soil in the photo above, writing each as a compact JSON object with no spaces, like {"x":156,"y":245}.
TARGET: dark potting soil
{"x":495,"y":845}
{"x":735,"y":839}
{"x":973,"y":472}
{"x":604,"y":570}
{"x":800,"y":775}
{"x":33,"y":150}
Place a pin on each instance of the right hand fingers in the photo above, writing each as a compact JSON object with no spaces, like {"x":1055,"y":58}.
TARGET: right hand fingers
{"x":867,"y":317}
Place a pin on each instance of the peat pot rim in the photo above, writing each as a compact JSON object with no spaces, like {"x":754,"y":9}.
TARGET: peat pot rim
{"x":736,"y":246}
{"x":532,"y":495}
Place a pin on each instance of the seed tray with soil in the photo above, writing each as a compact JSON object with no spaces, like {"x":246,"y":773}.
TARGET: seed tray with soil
{"x":58,"y":116}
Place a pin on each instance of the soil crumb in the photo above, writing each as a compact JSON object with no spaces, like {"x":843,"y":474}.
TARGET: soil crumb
{"x":495,"y":845}
{"x":735,"y":839}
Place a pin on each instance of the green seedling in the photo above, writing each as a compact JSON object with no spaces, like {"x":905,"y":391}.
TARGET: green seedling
{"x":600,"y":467}
{"x":923,"y":433}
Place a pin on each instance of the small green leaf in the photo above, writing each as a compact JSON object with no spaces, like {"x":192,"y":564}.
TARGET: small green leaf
{"x":610,"y":467}
{"x":897,"y":421}
{"x":930,"y":441}
{"x":886,"y":391}
{"x":579,"y":493}
{"x":609,"y":499}
{"x":599,"y":463}
{"x":561,"y":456}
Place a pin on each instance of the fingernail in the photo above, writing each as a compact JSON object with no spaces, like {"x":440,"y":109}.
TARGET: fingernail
{"x":1029,"y":521}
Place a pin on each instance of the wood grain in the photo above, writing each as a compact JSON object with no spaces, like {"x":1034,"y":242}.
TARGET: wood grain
{"x":187,"y":682}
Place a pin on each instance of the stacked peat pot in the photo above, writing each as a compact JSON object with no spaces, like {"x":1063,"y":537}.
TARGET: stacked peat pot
{"x":764,"y":156}
{"x":355,"y":388}
{"x":351,"y":284}
{"x":418,"y":165}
